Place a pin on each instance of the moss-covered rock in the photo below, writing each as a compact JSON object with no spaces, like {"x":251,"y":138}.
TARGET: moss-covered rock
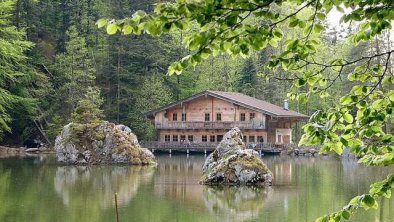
{"x":232,"y":163}
{"x":100,"y":143}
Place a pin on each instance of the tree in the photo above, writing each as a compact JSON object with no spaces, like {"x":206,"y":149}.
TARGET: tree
{"x":73,"y":78}
{"x":153,"y":90}
{"x":17,"y":76}
{"x":357,"y":119}
{"x":248,"y":81}
{"x":88,"y":109}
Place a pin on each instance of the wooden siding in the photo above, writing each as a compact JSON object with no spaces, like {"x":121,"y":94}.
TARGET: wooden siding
{"x":195,"y":111}
{"x":263,"y":126}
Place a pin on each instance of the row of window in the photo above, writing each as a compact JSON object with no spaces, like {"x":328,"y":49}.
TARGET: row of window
{"x":182,"y":138}
{"x":175,"y":117}
{"x":190,"y":138}
{"x":218,"y":116}
{"x":252,"y":139}
{"x":212,"y":138}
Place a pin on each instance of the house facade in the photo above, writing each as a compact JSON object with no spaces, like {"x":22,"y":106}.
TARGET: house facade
{"x":205,"y":117}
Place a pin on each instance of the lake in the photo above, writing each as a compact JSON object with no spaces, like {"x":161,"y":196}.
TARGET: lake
{"x":36,"y":189}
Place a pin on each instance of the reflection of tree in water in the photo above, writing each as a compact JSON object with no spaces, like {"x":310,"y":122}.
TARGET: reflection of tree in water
{"x":98,"y":184}
{"x":232,"y":203}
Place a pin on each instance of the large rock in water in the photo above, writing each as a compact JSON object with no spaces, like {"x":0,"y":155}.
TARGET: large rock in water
{"x":104,"y":143}
{"x":232,"y":163}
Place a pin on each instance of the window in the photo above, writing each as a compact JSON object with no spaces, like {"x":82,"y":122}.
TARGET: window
{"x":183,"y":138}
{"x":260,"y":139}
{"x":174,"y":116}
{"x":218,"y":117}
{"x":204,"y":138}
{"x":279,"y":138}
{"x":183,"y":116}
{"x":244,"y":139}
{"x":175,"y":138}
{"x":251,"y":139}
{"x":167,"y":138}
{"x":242,"y":118}
{"x":190,"y":138}
{"x":207,"y":117}
{"x":251,"y":116}
{"x":219,"y":138}
{"x":212,"y":138}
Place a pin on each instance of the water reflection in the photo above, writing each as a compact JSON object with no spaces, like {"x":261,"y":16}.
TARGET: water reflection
{"x":235,"y":203}
{"x":304,"y":188}
{"x":99,"y":183}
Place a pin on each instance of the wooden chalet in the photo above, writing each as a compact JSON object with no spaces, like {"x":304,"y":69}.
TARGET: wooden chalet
{"x":205,"y":117}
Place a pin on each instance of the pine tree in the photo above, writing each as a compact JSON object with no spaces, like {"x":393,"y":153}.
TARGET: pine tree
{"x":16,"y":74}
{"x":88,"y":109}
{"x":74,"y":77}
{"x":75,"y":72}
{"x":153,"y":90}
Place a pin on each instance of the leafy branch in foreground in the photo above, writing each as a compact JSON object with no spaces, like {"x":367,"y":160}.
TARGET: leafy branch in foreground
{"x":238,"y":27}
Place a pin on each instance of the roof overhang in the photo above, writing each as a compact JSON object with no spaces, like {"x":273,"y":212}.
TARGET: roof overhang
{"x":209,"y":93}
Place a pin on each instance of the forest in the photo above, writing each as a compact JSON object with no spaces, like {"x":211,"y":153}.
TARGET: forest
{"x":82,"y":61}
{"x":53,"y":55}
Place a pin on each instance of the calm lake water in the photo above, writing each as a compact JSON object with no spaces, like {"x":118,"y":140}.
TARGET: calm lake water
{"x":35,"y":189}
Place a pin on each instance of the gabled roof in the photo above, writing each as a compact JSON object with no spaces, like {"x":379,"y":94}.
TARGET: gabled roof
{"x":238,"y":99}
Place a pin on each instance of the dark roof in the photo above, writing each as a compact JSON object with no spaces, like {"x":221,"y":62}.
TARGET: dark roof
{"x":239,"y":99}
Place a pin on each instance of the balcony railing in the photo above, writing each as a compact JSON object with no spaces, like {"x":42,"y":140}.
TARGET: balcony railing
{"x":209,"y":125}
{"x":204,"y":145}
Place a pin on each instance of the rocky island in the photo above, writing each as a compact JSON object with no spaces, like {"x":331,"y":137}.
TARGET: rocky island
{"x":232,"y":163}
{"x":104,"y":143}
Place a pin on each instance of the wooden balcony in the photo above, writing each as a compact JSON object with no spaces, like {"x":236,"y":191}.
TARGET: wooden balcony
{"x":209,"y":125}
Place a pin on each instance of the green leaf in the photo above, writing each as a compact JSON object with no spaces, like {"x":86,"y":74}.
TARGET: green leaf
{"x":369,"y":202}
{"x":346,"y":100}
{"x":293,"y":24}
{"x":112,"y":28}
{"x":273,"y":42}
{"x":101,"y":23}
{"x":337,"y":147}
{"x":345,"y":214}
{"x":344,"y":141}
{"x":301,"y":82}
{"x":390,"y":94}
{"x":152,"y":28}
{"x":127,"y":29}
{"x":277,"y":32}
{"x":348,"y":118}
{"x":321,"y":16}
{"x":318,"y":28}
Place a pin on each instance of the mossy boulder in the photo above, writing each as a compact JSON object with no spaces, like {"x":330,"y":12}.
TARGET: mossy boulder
{"x":232,"y":163}
{"x":100,"y":143}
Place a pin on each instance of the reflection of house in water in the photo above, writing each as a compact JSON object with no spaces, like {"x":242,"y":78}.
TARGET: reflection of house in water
{"x":97,"y":185}
{"x":283,"y":173}
{"x":178,"y":178}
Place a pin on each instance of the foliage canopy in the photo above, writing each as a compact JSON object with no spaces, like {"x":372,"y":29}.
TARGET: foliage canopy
{"x":224,"y":26}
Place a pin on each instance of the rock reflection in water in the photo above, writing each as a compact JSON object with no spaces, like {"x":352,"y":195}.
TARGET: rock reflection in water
{"x":98,"y":184}
{"x":236,"y":203}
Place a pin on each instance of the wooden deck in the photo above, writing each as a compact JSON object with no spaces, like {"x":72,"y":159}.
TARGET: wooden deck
{"x":171,"y":147}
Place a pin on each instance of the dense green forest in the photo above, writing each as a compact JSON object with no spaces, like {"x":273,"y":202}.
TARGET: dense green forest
{"x":53,"y":55}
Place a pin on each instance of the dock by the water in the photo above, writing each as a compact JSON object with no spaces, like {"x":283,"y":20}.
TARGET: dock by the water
{"x":205,"y":148}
